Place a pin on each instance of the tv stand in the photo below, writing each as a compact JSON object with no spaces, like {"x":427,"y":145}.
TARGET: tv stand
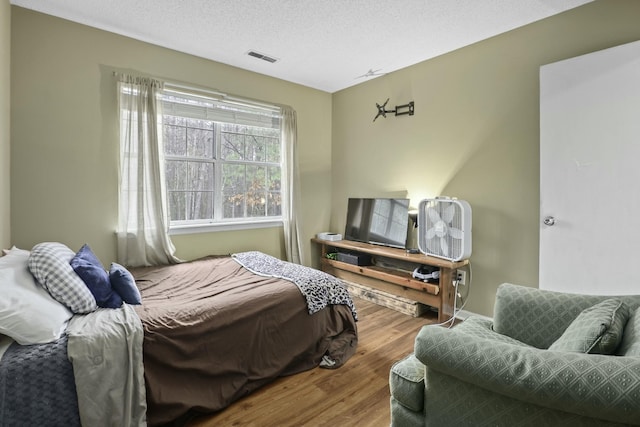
{"x":394,"y":281}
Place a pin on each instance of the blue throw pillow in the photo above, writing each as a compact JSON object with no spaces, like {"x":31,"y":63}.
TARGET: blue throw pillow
{"x":124,"y":284}
{"x":90,"y":269}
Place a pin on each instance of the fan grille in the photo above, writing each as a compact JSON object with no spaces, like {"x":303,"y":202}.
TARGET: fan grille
{"x":445,"y":228}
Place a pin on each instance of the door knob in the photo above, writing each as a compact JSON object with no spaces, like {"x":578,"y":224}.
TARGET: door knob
{"x":549,"y":220}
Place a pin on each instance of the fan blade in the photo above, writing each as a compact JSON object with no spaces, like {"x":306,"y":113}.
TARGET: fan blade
{"x":444,"y":246}
{"x":440,"y":229}
{"x":449,"y":212}
{"x":431,"y":232}
{"x":433,"y":215}
{"x":456,"y":233}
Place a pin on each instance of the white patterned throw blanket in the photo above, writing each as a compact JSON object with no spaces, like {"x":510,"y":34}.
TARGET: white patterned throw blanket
{"x":318,"y":288}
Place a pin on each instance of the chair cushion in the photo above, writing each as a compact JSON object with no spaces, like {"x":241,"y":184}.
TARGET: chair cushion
{"x":407,"y":382}
{"x":630,"y":345}
{"x":597,"y":329}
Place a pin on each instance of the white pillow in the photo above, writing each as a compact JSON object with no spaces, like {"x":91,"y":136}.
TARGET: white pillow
{"x":13,"y":249}
{"x":49,"y":264}
{"x":28,"y":314}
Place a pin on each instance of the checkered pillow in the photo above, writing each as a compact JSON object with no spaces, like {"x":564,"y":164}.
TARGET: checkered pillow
{"x":49,"y":264}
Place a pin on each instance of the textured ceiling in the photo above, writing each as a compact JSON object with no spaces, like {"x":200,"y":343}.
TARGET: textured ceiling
{"x":324,"y":44}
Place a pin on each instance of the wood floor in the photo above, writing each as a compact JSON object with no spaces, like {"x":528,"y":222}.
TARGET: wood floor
{"x":357,"y":394}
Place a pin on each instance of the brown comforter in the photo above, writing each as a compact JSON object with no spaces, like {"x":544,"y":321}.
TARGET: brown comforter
{"x":214,"y":332}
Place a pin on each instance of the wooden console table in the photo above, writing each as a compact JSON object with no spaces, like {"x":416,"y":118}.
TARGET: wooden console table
{"x":394,"y":281}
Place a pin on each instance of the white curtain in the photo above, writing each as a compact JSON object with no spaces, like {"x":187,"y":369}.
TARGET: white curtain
{"x":291,"y":188}
{"x":143,"y":220}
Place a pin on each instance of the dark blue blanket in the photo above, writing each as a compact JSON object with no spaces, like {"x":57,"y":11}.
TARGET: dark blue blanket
{"x":37,"y":387}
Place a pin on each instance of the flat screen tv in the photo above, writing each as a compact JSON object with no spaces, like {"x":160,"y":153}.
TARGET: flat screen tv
{"x":378,"y":221}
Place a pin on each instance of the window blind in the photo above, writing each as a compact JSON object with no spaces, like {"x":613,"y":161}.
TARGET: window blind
{"x":207,"y":107}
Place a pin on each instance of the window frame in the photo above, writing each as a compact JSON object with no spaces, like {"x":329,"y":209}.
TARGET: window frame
{"x":217,"y":223}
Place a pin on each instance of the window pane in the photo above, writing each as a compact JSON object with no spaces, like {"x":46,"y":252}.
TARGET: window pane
{"x":256,"y":192}
{"x":177,"y":205}
{"x":175,"y":136}
{"x":176,"y":175}
{"x":232,"y":146}
{"x":273,"y":178}
{"x":273,"y":150}
{"x":255,"y":148}
{"x":234,"y":206}
{"x":200,"y":138}
{"x":274,"y":201}
{"x":233,"y":190}
{"x":274,"y":206}
{"x":201,"y":176}
{"x":200,"y":205}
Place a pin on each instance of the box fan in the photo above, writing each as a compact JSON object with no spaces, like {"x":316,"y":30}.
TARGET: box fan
{"x":444,"y":228}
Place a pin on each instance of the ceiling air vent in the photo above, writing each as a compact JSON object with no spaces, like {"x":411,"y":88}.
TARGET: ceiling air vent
{"x":261,"y":56}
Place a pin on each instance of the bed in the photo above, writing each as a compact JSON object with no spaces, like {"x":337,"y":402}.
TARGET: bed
{"x":207,"y":333}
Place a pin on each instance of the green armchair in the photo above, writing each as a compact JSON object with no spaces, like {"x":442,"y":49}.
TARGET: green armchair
{"x":533,"y":364}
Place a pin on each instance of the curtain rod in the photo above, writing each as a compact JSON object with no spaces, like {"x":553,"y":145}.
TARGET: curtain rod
{"x":206,"y":92}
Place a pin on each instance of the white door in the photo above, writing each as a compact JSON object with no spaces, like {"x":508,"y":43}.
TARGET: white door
{"x":590,"y":173}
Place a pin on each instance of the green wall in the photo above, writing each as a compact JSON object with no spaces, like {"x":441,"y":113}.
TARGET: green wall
{"x":474,"y":135}
{"x":5,"y":195}
{"x":65,"y":143}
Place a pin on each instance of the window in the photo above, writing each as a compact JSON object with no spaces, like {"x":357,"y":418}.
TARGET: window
{"x":223,"y":161}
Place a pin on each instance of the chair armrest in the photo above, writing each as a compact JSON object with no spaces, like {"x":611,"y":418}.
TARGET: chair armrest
{"x":602,"y":387}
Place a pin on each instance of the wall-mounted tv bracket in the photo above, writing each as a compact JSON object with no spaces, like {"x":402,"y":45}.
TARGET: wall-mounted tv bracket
{"x":400,"y":110}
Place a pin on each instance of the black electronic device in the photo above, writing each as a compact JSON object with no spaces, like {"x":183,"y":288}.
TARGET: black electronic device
{"x":379,"y":221}
{"x":354,"y":258}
